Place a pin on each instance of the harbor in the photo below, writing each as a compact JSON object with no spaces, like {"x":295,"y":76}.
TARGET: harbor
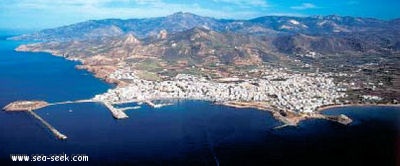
{"x":117,"y":113}
{"x":31,"y":106}
{"x":287,"y":117}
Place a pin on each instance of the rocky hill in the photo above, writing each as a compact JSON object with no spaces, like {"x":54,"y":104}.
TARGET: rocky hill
{"x":178,"y":22}
{"x":197,"y":40}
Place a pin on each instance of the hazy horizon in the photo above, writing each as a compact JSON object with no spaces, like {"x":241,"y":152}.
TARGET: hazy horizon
{"x":42,"y":14}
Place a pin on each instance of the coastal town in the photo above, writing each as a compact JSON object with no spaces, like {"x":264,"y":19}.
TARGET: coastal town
{"x":289,"y":97}
{"x":290,"y":92}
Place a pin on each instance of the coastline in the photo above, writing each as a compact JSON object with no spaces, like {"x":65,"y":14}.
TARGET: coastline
{"x":288,"y":117}
{"x":327,"y":107}
{"x":82,"y":66}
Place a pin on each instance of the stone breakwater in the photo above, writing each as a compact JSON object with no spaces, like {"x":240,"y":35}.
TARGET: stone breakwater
{"x":56,"y":133}
{"x":25,"y":105}
{"x":31,"y":106}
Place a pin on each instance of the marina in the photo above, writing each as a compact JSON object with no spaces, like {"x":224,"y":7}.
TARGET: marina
{"x":287,"y":117}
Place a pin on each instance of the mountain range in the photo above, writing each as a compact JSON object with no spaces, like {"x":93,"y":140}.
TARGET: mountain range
{"x":366,"y":50}
{"x":177,"y":22}
{"x":243,"y":41}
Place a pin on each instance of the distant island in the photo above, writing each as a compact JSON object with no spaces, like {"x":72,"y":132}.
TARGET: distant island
{"x":293,"y":67}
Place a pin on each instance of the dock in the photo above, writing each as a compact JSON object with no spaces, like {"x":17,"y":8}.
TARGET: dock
{"x":72,"y":102}
{"x":117,"y":113}
{"x":25,"y":105}
{"x":130,"y":108}
{"x":151,"y":104}
{"x":31,"y":106}
{"x":56,"y":133}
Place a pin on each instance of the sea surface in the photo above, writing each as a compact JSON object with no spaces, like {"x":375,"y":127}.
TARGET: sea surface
{"x":185,"y":133}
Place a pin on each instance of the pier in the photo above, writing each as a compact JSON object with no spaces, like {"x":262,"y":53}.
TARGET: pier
{"x":73,"y":102}
{"x":117,"y":113}
{"x":130,"y":108}
{"x":56,"y":133}
{"x":34,"y":105}
{"x":31,"y":106}
{"x":151,"y":104}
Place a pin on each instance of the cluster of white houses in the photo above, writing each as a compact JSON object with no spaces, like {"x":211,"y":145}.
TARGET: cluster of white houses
{"x":292,"y":92}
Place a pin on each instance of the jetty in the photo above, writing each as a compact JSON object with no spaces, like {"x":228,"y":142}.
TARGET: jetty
{"x":73,"y":102}
{"x":31,"y":106}
{"x":117,"y":113}
{"x":130,"y":108}
{"x":152,"y":104}
{"x":25,"y":105}
{"x":56,"y":133}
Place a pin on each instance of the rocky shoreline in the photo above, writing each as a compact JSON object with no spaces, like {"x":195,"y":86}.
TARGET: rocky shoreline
{"x":289,"y":118}
{"x":326,"y":107}
{"x":291,"y":99}
{"x":25,"y":105}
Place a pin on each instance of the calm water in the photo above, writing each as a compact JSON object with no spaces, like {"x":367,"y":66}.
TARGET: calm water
{"x":186,"y":133}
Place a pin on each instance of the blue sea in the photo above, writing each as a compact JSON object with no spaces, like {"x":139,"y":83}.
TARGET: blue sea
{"x":185,"y":133}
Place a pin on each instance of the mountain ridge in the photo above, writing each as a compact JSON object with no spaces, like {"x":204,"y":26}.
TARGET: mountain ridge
{"x":177,"y":22}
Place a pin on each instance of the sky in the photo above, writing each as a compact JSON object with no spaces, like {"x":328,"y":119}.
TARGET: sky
{"x":40,"y":14}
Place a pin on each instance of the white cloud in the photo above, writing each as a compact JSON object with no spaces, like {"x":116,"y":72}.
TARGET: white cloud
{"x":97,"y":9}
{"x":52,"y":13}
{"x":246,"y":3}
{"x":304,"y":6}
